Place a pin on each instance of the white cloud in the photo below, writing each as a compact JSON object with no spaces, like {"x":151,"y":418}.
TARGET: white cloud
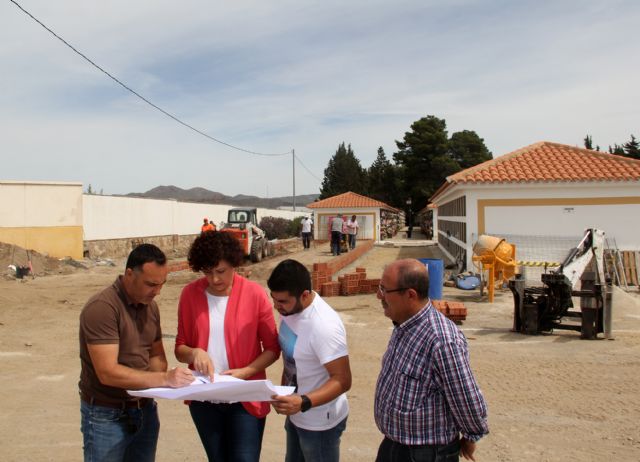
{"x":271,"y":76}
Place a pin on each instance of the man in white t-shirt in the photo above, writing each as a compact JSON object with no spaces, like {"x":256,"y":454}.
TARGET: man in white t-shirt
{"x":316,"y":361}
{"x":306,"y":232}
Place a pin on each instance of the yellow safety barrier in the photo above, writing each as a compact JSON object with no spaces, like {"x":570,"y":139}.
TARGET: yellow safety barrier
{"x":549,"y":264}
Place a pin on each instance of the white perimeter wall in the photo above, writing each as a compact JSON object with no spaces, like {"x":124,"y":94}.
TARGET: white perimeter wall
{"x":40,"y":204}
{"x":112,"y":217}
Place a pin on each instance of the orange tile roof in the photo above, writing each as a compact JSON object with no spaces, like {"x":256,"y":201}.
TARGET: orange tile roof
{"x":547,"y":162}
{"x":348,"y":200}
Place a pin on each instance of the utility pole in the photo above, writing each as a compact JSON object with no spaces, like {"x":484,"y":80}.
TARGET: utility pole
{"x":293,"y":158}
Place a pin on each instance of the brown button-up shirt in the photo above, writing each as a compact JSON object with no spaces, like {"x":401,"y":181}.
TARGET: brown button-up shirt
{"x":111,"y":317}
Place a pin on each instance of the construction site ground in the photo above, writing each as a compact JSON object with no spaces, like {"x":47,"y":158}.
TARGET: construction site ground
{"x":550,"y":397}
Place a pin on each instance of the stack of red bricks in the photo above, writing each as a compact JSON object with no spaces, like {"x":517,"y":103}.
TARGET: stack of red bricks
{"x":456,"y":311}
{"x":347,"y":284}
{"x":330,"y":289}
{"x":320,"y":275}
{"x":350,"y":284}
{"x":357,"y":283}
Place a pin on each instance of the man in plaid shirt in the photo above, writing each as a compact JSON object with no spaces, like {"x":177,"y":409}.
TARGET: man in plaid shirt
{"x":428,"y":404}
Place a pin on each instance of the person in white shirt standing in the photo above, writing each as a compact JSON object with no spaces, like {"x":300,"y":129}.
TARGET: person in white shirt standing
{"x":307,"y":222}
{"x":352,"y":227}
{"x":336,"y":234}
{"x":316,"y":361}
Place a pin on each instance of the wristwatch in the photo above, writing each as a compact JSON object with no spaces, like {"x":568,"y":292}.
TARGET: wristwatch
{"x":306,"y":403}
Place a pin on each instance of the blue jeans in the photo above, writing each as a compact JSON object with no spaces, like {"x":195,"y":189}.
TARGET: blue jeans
{"x":352,"y":241}
{"x":336,"y":237}
{"x":119,"y":434}
{"x":227,"y":431}
{"x":390,"y":451}
{"x":311,"y":446}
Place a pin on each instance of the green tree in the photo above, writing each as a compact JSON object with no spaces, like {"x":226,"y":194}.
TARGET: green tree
{"x":632,"y":148}
{"x":381,"y":178}
{"x":617,"y":149}
{"x":468,"y":149}
{"x":588,"y":142}
{"x":344,"y":173}
{"x":424,"y":160}
{"x":426,"y":157}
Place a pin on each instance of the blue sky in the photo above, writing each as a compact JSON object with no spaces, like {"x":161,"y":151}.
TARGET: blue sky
{"x":305,"y":75}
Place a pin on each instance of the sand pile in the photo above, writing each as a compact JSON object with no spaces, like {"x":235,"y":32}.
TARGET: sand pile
{"x":40,"y":264}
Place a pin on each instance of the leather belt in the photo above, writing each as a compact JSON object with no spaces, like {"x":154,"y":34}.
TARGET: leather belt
{"x":123,"y":404}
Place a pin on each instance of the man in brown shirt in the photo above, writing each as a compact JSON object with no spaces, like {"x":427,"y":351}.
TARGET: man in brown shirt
{"x":121,"y":348}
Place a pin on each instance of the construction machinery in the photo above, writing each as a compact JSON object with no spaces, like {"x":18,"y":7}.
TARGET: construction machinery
{"x":243,"y":224}
{"x":542,"y":309}
{"x":496,"y":257}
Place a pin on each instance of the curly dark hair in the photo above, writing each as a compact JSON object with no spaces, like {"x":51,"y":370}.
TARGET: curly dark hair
{"x":211,"y":247}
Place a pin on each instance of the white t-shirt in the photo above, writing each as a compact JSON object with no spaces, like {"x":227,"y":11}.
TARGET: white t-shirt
{"x":310,"y":339}
{"x":352,"y":226}
{"x":217,"y":349}
{"x":306,"y":225}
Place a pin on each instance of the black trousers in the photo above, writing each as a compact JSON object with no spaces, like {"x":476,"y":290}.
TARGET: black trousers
{"x":390,"y":451}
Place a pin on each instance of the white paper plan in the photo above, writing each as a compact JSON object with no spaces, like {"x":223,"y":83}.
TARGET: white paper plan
{"x":224,"y":388}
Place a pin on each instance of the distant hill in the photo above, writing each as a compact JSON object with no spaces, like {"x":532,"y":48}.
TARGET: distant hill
{"x":203,"y":195}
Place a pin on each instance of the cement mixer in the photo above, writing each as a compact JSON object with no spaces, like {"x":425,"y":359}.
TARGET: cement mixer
{"x":498,"y":258}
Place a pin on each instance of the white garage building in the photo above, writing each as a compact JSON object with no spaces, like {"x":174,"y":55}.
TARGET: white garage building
{"x":543,"y":190}
{"x":376,"y":219}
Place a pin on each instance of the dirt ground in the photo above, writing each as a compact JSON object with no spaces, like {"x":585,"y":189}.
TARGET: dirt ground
{"x":550,"y":398}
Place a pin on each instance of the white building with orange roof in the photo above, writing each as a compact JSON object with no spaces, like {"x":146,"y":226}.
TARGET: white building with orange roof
{"x":373,"y":215}
{"x":544,"y":190}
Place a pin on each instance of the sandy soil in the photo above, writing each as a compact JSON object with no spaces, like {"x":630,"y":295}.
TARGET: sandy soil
{"x":551,"y":398}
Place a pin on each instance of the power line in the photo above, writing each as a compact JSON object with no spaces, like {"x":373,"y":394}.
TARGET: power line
{"x":305,"y":167}
{"x":168,"y":114}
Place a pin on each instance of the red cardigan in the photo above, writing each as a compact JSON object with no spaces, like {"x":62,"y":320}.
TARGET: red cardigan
{"x":249,"y":326}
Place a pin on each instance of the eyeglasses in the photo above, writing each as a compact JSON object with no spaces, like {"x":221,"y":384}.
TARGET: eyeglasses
{"x":384,"y":291}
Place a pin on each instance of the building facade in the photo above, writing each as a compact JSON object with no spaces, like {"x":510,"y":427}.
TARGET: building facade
{"x":546,"y":189}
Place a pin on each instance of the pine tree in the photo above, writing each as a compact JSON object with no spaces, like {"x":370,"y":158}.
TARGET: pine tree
{"x":617,"y":150}
{"x":588,"y":142}
{"x":424,"y":160}
{"x":427,"y":156}
{"x":381,"y":179}
{"x":632,"y":148}
{"x":344,"y":173}
{"x":468,"y":149}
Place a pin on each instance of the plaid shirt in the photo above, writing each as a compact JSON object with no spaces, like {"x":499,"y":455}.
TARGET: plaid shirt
{"x":426,"y":393}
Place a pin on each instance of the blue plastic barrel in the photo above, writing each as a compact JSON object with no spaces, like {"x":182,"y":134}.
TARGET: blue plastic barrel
{"x":435,"y":267}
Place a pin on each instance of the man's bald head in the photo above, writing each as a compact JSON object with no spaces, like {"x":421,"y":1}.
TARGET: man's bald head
{"x":411,"y":273}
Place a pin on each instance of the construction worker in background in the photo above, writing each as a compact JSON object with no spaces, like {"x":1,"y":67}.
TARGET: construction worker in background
{"x":307,"y":222}
{"x":336,"y":234}
{"x":207,"y":226}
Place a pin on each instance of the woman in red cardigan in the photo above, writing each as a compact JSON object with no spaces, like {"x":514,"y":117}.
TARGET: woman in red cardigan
{"x":226,"y":326}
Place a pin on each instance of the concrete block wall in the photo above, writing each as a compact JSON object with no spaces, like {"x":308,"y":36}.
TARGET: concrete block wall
{"x":174,"y":246}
